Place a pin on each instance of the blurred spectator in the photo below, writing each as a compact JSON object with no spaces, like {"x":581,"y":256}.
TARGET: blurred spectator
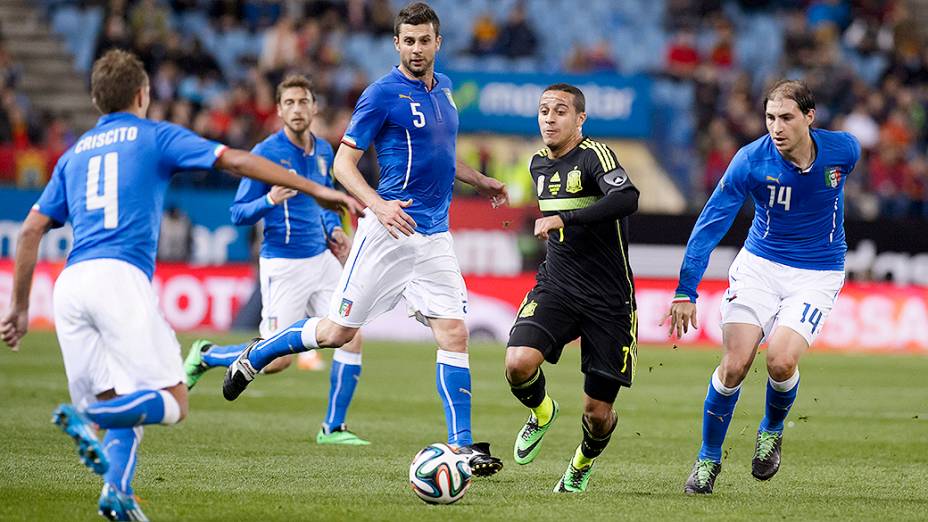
{"x":176,"y":236}
{"x":281,"y":46}
{"x":517,"y":38}
{"x":834,"y":12}
{"x":682,"y":55}
{"x":483,"y":40}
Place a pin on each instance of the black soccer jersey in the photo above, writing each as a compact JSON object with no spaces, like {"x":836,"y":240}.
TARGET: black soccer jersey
{"x":587,"y":262}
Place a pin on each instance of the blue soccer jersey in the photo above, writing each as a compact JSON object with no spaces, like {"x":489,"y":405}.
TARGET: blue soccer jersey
{"x":414,"y":131}
{"x":298,"y":227}
{"x":110,"y":186}
{"x":798,"y":215}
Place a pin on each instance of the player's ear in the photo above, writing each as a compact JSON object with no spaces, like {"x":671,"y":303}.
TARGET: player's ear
{"x":396,"y":43}
{"x":580,"y":119}
{"x":437,"y":43}
{"x":810,"y":117}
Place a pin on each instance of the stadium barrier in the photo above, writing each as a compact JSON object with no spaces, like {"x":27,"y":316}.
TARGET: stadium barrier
{"x":873,"y":317}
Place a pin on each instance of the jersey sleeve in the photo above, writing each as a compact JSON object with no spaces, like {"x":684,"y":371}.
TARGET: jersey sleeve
{"x":183,"y":149}
{"x":368,"y":118}
{"x":250,"y":204}
{"x":605,"y":168}
{"x":854,"y":152}
{"x":713,"y":222}
{"x":330,"y":219}
{"x":54,"y":200}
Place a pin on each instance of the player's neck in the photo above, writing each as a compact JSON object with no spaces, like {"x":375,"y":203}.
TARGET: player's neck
{"x":303,"y":140}
{"x":803,"y":155}
{"x":428,"y":78}
{"x":569,"y":145}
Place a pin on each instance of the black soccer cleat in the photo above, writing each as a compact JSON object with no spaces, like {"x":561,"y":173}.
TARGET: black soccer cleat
{"x":239,"y":374}
{"x":766,"y":460}
{"x":482,"y":464}
{"x":702,"y":479}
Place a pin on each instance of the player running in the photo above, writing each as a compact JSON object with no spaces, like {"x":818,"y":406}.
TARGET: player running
{"x":785,"y":280}
{"x":297,"y":271}
{"x":121,"y":357}
{"x":584,"y":287}
{"x":402,"y":247}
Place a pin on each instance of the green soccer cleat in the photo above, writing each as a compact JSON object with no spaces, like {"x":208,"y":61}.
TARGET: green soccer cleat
{"x":341,"y":436}
{"x":702,"y":479}
{"x":766,"y":460}
{"x":194,"y":366}
{"x":528,"y":441}
{"x":574,"y":480}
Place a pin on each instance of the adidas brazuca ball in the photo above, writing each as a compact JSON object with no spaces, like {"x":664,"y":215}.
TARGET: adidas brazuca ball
{"x":439,"y":475}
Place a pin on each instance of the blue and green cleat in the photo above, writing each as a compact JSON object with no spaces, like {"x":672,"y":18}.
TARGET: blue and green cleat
{"x":528,"y":441}
{"x":341,"y":436}
{"x":194,"y":366}
{"x":115,"y":505}
{"x":76,"y":425}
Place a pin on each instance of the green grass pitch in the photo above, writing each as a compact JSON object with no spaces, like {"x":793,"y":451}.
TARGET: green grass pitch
{"x":856,"y":448}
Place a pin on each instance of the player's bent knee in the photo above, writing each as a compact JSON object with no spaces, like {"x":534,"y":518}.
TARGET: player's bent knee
{"x":333,"y":335}
{"x":733,"y":370}
{"x":781,"y":367}
{"x":177,"y":411}
{"x":521,"y":363}
{"x":278,"y":365}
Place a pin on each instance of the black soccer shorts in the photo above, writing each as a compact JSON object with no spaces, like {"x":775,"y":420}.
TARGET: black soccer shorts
{"x":549,"y":319}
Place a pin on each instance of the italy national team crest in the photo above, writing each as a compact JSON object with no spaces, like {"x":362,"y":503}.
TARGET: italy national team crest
{"x":447,"y":92}
{"x":345,"y":309}
{"x":573,"y":181}
{"x":833,"y":177}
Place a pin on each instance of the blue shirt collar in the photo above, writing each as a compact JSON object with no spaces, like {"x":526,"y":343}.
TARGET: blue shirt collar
{"x":282,"y":135}
{"x":113,"y":116}
{"x":398,"y":74}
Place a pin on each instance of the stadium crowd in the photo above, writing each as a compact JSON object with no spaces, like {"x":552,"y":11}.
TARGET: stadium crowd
{"x":213,"y":65}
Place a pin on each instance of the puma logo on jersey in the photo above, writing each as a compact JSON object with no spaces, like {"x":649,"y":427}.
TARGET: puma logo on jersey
{"x":774,"y":179}
{"x":405,"y":96}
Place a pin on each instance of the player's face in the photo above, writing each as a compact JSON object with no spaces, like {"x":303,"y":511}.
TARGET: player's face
{"x":558,"y":119}
{"x":787,"y":125}
{"x":417,"y":45}
{"x":296,"y":109}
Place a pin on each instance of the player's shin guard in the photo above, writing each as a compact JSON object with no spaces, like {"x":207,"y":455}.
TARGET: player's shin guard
{"x":592,"y":445}
{"x":346,"y":370}
{"x":298,"y":337}
{"x":121,"y":446}
{"x":135,"y":409}
{"x":532,"y":392}
{"x":452,"y":377}
{"x":717,"y":413}
{"x":222,"y":355}
{"x":780,"y":398}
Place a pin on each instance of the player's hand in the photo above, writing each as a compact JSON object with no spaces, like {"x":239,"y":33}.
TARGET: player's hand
{"x":13,"y":327}
{"x":280,"y":193}
{"x":392,"y":216}
{"x":495,"y":190}
{"x":546,"y":224}
{"x":340,"y":245}
{"x":681,"y":315}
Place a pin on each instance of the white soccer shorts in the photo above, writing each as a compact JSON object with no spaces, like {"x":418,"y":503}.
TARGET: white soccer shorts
{"x":770,"y":294}
{"x":292,"y":289}
{"x":381,"y":269}
{"x":111,"y":331}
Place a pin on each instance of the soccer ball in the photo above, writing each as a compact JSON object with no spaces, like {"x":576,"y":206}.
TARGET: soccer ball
{"x":439,"y":475}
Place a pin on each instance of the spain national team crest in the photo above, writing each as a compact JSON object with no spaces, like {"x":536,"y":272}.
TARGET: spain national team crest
{"x":344,"y":309}
{"x":573,"y":181}
{"x":833,"y":177}
{"x":528,"y":309}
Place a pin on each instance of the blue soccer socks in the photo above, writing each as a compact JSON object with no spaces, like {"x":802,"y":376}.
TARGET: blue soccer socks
{"x":346,"y":370}
{"x":135,"y":409}
{"x":452,"y":378}
{"x":121,"y":446}
{"x":717,"y":413}
{"x":780,"y":398}
{"x":296,"y":338}
{"x":222,"y":355}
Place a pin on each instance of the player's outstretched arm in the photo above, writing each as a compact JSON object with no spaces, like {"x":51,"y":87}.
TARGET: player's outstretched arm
{"x":243,"y":163}
{"x":389,"y":213}
{"x":486,"y":186}
{"x":15,"y":323}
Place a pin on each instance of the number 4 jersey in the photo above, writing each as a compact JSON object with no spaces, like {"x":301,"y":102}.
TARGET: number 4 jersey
{"x":110,"y":186}
{"x":798,"y":215}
